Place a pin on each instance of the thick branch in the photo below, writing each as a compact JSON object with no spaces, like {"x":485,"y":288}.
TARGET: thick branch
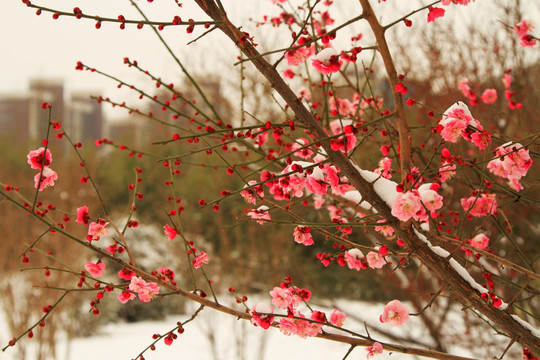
{"x":403,"y":126}
{"x":440,"y":267}
{"x":215,"y":305}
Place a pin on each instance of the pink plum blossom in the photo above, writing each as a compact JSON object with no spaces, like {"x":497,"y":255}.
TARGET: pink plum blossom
{"x":373,"y":350}
{"x":431,"y":200}
{"x":327,"y":61}
{"x":200,"y":260}
{"x":249,"y":194}
{"x":316,"y":186}
{"x":375,"y":260}
{"x":289,"y":297}
{"x":386,"y":229}
{"x":343,"y":143}
{"x":523,"y":29}
{"x":354,"y":259}
{"x":318,"y":202}
{"x":344,"y":107}
{"x":331,"y":175}
{"x":300,"y":149}
{"x":299,"y":327}
{"x":434,"y":13}
{"x":45,"y":178}
{"x":145,"y":290}
{"x":95,"y":269}
{"x":82,"y":215}
{"x":170,"y":232}
{"x":261,"y":139}
{"x":298,"y":56}
{"x":338,"y":126}
{"x":446,"y":171}
{"x":168,"y":273}
{"x":259,"y":315}
{"x":304,"y":93}
{"x":97,"y":229}
{"x":282,"y":298}
{"x":512,"y":163}
{"x":287,"y":326}
{"x":489,"y":96}
{"x":406,"y":205}
{"x":480,"y":205}
{"x":260,"y":214}
{"x":302,"y":235}
{"x":453,"y":129}
{"x":480,"y":241}
{"x":395,"y":313}
{"x":288,"y":73}
{"x":455,"y":121}
{"x":337,"y":318}
{"x":465,"y":89}
{"x":385,"y":168}
{"x":458,"y":2}
{"x":126,"y":274}
{"x":38,"y":158}
{"x":507,"y":80}
{"x":481,"y":139}
{"x":126,"y":296}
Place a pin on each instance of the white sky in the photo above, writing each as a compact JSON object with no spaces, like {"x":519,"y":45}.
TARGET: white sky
{"x":39,"y":47}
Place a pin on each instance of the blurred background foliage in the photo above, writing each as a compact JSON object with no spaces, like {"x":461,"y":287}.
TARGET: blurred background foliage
{"x":244,"y":255}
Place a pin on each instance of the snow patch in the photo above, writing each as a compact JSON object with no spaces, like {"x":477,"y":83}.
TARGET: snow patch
{"x":526,"y":325}
{"x":456,"y":266}
{"x":386,"y":189}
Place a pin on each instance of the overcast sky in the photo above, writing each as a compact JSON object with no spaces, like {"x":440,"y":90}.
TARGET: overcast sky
{"x":39,"y":47}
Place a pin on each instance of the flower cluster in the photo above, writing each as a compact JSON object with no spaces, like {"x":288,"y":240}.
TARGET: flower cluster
{"x":288,"y":298}
{"x":384,"y":229}
{"x":418,"y":204}
{"x":41,"y":159}
{"x":480,"y":205}
{"x":327,"y":61}
{"x":298,"y":56}
{"x":145,"y":290}
{"x":97,"y":229}
{"x":458,"y":122}
{"x":355,"y":259}
{"x":346,"y":142}
{"x":458,"y":2}
{"x":385,"y":168}
{"x":489,"y":96}
{"x":302,"y":235}
{"x":261,"y":315}
{"x":260,"y":214}
{"x":523,"y":29}
{"x":512,"y":162}
{"x":249,"y":193}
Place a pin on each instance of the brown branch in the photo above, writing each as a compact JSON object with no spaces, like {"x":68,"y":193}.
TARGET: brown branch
{"x":115,"y":20}
{"x":403,"y":126}
{"x":493,"y":257}
{"x":440,"y":267}
{"x":402,"y":349}
{"x":216,"y":306}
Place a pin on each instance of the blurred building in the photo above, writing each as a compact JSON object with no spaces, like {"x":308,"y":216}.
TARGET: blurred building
{"x":85,"y":116}
{"x":22,"y":118}
{"x":14,"y":117}
{"x":51,"y":92}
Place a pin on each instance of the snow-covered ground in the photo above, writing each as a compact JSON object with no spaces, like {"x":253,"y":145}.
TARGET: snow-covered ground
{"x":215,"y":336}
